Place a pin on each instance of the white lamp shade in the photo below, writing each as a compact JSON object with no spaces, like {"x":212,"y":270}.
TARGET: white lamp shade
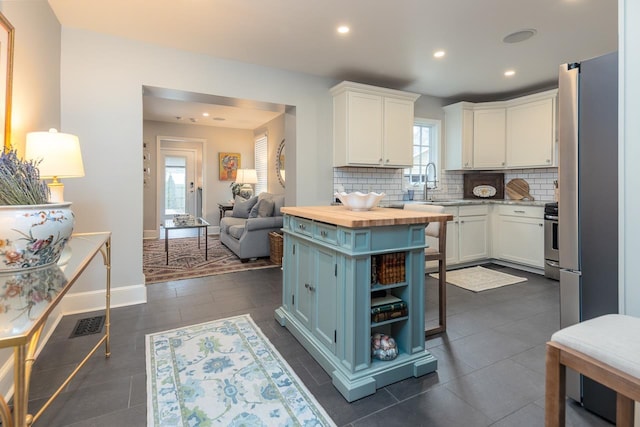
{"x":246,"y":176}
{"x":58,"y":153}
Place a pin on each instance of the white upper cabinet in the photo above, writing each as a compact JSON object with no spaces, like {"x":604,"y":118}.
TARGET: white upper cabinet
{"x":458,"y":130}
{"x":489,"y":138}
{"x":519,"y":133}
{"x":531,"y":132}
{"x":372,"y":126}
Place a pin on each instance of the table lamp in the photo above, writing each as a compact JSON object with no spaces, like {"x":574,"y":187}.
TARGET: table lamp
{"x":246,"y":177}
{"x":59,"y":156}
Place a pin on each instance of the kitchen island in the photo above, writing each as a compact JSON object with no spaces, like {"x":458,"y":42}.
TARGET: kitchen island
{"x":334,"y":262}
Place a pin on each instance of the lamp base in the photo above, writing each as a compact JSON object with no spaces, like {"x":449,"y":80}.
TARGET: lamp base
{"x":56,"y":191}
{"x":246,"y":191}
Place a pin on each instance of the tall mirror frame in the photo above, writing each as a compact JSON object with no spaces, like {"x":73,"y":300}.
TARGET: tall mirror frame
{"x":7,"y":34}
{"x":280,"y":159}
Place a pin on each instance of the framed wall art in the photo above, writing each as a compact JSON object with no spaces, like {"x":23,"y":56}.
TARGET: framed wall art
{"x":229,"y":164}
{"x":6,"y":78}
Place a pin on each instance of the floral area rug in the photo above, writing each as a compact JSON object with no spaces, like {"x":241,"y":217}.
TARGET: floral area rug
{"x":224,"y":373}
{"x":186,"y":261}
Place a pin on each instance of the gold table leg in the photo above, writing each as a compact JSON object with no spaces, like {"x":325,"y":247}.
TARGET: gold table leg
{"x":23,"y":359}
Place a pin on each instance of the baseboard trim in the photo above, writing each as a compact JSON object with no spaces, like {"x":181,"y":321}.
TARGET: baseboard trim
{"x":83,"y":302}
{"x":150,"y":234}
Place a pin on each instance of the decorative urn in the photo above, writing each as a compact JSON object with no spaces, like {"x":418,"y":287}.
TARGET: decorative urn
{"x":33,"y":235}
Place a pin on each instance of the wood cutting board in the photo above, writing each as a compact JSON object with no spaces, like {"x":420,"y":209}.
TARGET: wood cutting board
{"x":518,"y":189}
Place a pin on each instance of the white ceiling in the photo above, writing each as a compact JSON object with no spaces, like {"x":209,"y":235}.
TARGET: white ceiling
{"x":390,"y":44}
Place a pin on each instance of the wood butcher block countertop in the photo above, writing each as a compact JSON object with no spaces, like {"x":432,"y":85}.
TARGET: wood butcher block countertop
{"x":376,"y":217}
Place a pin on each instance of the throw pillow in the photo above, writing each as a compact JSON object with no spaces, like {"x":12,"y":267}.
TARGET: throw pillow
{"x":265,"y":208}
{"x":242,"y":207}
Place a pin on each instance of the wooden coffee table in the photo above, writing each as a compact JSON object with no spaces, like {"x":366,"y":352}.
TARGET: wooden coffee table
{"x":199,"y":224}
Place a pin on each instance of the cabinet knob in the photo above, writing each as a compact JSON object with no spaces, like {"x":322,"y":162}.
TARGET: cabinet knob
{"x":502,"y":163}
{"x":323,"y":233}
{"x":461,"y":222}
{"x":387,"y":161}
{"x":312,"y":288}
{"x":541,"y":225}
{"x":548,"y":161}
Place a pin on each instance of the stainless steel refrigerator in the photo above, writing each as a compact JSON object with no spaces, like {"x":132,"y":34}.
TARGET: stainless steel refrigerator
{"x":588,"y":205}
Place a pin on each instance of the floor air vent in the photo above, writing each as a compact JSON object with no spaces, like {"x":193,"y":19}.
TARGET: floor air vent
{"x":88,"y":326}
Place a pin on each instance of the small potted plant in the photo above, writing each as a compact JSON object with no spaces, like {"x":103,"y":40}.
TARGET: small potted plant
{"x":33,"y":232}
{"x":235,"y":189}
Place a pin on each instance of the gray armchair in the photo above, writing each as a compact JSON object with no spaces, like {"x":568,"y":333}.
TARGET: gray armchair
{"x":245,"y":230}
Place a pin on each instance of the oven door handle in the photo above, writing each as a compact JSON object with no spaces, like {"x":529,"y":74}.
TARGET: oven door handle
{"x":552,"y":263}
{"x":551,"y":217}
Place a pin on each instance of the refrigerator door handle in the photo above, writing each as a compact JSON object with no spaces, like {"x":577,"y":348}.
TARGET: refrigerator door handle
{"x":568,"y":166}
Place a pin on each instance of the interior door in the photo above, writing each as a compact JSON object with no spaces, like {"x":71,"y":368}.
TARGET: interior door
{"x":177,"y":193}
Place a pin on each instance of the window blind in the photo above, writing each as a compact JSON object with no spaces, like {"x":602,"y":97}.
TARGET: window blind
{"x":261,"y":162}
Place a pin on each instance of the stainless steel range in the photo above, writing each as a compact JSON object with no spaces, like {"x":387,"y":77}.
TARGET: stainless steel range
{"x":551,"y":252}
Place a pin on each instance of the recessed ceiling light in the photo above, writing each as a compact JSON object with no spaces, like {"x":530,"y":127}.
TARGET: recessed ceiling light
{"x":205,"y":114}
{"x":438,"y":54}
{"x":343,"y":29}
{"x":509,"y":73}
{"x":520,"y":36}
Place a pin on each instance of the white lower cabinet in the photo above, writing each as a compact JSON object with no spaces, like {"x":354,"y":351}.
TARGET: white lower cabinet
{"x":519,"y":235}
{"x":468,"y":236}
{"x":473,"y":233}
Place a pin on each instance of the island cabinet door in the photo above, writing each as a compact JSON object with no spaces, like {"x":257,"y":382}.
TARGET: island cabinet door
{"x":325,"y":290}
{"x":305,"y":268}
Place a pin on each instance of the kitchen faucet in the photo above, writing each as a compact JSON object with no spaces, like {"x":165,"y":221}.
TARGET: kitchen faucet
{"x":426,"y":178}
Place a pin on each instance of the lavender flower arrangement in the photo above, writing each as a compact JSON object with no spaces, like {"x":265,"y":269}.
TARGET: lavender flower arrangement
{"x":20,"y":182}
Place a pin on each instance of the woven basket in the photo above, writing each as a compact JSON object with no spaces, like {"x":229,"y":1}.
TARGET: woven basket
{"x":391,"y":268}
{"x":275,"y":246}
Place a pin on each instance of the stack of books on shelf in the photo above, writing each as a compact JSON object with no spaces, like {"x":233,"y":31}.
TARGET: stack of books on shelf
{"x":387,"y":307}
{"x":390,"y":268}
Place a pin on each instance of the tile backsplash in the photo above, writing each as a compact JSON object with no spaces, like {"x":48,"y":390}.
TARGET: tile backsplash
{"x":450,"y":183}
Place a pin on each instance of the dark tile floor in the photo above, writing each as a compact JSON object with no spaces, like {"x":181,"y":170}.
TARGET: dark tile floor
{"x":490,"y":361}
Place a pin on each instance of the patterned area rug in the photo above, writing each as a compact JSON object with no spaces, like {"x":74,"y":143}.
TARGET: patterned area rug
{"x":186,"y":261}
{"x":478,"y":279}
{"x":225,"y":373}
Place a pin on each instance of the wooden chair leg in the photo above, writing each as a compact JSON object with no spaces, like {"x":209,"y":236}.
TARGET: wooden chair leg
{"x":555,"y":389}
{"x":442,"y":301}
{"x":624,"y":411}
{"x":442,"y":294}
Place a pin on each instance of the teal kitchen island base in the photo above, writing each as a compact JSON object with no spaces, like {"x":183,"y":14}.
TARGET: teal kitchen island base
{"x":335,"y":263}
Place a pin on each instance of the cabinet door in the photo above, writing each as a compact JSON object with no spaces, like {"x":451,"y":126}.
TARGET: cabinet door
{"x":531,"y":134}
{"x":305,"y":268}
{"x":325,"y":288}
{"x":398,"y":133}
{"x":521,"y":240}
{"x":364,"y":129}
{"x":458,"y":124}
{"x":474,"y":238}
{"x":489,"y":138}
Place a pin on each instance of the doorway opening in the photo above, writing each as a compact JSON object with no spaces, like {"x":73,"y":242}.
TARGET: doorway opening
{"x":179,"y":179}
